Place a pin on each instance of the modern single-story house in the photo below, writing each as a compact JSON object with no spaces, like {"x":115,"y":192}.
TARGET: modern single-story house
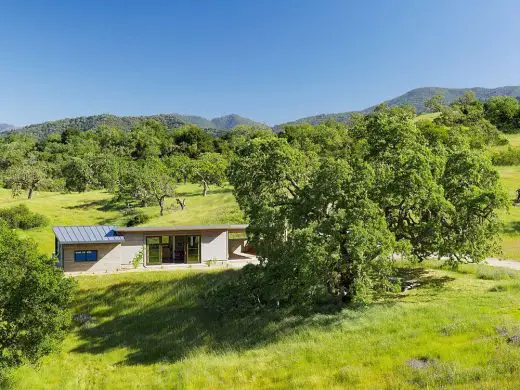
{"x":112,"y":248}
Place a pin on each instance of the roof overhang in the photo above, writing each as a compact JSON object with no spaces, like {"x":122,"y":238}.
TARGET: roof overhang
{"x":233,"y":228}
{"x":96,"y":234}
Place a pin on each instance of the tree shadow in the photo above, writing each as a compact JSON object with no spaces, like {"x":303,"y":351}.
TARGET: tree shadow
{"x":421,"y":277}
{"x":176,"y":322}
{"x":167,"y":319}
{"x":211,"y":191}
{"x":101,"y":205}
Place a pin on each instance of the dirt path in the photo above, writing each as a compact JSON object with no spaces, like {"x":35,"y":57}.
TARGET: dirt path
{"x":503,"y":263}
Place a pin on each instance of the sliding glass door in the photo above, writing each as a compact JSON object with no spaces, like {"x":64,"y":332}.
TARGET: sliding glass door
{"x":176,"y":249}
{"x":193,"y":246}
{"x":153,"y":250}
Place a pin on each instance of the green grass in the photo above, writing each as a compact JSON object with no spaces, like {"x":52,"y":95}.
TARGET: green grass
{"x":95,"y":208}
{"x":150,"y":330}
{"x":510,"y":178}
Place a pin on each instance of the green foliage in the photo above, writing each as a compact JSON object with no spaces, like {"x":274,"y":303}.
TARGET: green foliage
{"x":511,"y":156}
{"x":20,"y":217}
{"x":193,"y":141}
{"x":34,"y":300}
{"x":504,"y":113}
{"x":208,"y":169}
{"x":138,"y":258}
{"x":329,"y":205}
{"x":28,"y":176}
{"x":418,"y":98}
{"x":137,"y":217}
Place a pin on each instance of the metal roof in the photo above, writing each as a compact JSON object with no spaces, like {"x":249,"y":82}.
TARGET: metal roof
{"x":180,"y":227}
{"x":87,"y":234}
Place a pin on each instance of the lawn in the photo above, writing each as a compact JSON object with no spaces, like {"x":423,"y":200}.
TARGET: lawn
{"x":151,"y":330}
{"x":95,"y":207}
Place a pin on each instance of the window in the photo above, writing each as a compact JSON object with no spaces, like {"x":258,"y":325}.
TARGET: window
{"x":85,"y":255}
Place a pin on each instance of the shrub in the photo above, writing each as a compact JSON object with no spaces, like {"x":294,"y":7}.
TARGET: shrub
{"x":34,"y":301}
{"x":138,"y":258}
{"x":20,"y":217}
{"x":137,"y":218}
{"x":511,"y":156}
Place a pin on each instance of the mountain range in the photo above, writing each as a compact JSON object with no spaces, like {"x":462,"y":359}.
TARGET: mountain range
{"x":415,"y":97}
{"x":6,"y":127}
{"x":84,"y":123}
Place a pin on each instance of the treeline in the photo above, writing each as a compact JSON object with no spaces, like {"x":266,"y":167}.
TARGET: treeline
{"x":141,"y":166}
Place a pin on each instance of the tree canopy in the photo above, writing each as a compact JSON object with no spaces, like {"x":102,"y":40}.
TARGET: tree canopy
{"x":34,"y":299}
{"x":330,"y":207}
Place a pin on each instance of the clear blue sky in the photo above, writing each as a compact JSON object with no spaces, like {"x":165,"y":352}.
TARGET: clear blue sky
{"x":272,"y":61}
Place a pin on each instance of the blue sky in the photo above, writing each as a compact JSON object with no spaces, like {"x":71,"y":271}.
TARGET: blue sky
{"x":272,"y":61}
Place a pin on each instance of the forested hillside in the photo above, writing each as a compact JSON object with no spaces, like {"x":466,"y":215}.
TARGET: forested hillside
{"x":126,"y":123}
{"x":417,"y":97}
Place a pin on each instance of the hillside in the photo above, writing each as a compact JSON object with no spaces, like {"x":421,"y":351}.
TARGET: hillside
{"x":85,"y":123}
{"x":417,"y":97}
{"x":6,"y":127}
{"x":153,"y":330}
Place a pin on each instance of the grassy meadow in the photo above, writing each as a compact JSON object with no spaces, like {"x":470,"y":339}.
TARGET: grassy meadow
{"x":151,"y":330}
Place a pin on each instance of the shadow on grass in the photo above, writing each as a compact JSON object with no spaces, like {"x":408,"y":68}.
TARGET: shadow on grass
{"x":421,"y":278}
{"x":176,"y":322}
{"x":166,"y":320}
{"x":101,"y":205}
{"x":211,"y":191}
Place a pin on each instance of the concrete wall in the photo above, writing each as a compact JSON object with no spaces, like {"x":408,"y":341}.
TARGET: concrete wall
{"x":109,"y":258}
{"x":214,"y":245}
{"x":132,"y":244}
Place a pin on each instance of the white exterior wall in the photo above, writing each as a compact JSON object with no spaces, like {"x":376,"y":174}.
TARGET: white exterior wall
{"x":132,"y":244}
{"x":214,"y":245}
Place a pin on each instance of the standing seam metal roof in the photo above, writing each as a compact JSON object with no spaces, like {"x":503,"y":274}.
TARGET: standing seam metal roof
{"x":86,"y":234}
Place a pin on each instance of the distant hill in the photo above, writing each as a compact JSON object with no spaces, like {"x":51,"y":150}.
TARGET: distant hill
{"x":6,"y":127}
{"x":417,"y":97}
{"x":85,"y":123}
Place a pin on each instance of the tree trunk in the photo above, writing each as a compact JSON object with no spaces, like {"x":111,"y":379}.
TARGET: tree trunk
{"x":161,"y":205}
{"x":347,"y":275}
{"x":205,"y":191}
{"x":182,"y":203}
{"x":30,"y":193}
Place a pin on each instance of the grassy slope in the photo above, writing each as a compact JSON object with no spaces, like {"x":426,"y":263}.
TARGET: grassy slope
{"x":95,"y":208}
{"x":150,"y":330}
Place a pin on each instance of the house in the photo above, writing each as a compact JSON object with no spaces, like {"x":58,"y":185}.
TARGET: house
{"x":111,"y":248}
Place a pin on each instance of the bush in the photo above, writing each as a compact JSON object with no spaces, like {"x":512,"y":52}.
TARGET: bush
{"x":20,"y":217}
{"x":34,"y":301}
{"x":511,"y":156}
{"x":138,"y":217}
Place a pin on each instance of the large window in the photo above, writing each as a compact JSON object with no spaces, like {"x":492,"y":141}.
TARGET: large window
{"x":153,"y":250}
{"x":85,"y":256}
{"x":193,"y":249}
